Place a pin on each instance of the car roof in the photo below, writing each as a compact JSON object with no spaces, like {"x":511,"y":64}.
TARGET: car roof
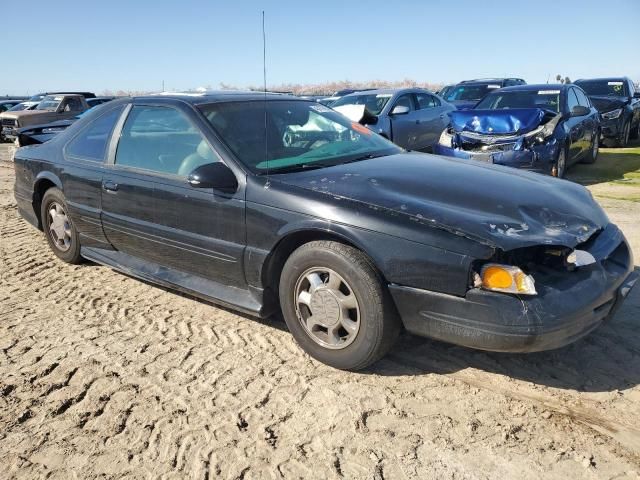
{"x":198,"y":98}
{"x":379,"y":91}
{"x":539,"y":86}
{"x":490,"y":80}
{"x":603,"y":79}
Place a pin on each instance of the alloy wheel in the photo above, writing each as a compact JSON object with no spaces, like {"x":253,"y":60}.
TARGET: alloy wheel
{"x":327,"y":308}
{"x":59,"y":226}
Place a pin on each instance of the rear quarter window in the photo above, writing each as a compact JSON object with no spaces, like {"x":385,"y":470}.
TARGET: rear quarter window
{"x":91,"y":143}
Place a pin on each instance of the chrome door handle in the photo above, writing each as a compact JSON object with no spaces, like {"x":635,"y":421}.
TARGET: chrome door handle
{"x":110,"y":186}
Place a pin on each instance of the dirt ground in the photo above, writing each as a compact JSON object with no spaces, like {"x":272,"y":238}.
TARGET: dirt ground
{"x":104,"y":376}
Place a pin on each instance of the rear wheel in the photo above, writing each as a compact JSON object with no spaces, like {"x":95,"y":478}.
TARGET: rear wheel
{"x":335,"y":305}
{"x":61,"y":235}
{"x":595,"y":149}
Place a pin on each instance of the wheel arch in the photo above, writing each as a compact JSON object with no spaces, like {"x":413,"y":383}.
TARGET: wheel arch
{"x":44,"y":181}
{"x":292,"y":240}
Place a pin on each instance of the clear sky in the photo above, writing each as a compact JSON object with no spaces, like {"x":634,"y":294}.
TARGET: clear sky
{"x":136,"y":44}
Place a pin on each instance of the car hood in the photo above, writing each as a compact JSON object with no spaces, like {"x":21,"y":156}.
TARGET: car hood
{"x":58,"y":124}
{"x":463,"y":104}
{"x":605,"y":104}
{"x":498,"y":122}
{"x":494,"y":205}
{"x":25,"y":113}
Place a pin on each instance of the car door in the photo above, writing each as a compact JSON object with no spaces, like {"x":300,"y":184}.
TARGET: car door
{"x":589,"y":123}
{"x":85,"y":156}
{"x":432,"y":117}
{"x":149,"y":209}
{"x":574,"y":128}
{"x":69,"y":108}
{"x":405,"y":127}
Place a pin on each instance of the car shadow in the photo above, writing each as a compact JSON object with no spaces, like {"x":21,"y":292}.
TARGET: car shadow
{"x":605,"y":360}
{"x":612,"y":166}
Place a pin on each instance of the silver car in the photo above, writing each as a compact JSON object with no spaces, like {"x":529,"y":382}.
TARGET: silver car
{"x":412,"y":118}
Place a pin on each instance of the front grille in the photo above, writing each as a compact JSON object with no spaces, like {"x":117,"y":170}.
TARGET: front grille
{"x":8,"y":122}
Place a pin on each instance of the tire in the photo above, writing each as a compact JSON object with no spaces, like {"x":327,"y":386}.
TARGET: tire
{"x":592,"y":156}
{"x":560,"y":167}
{"x":623,"y":141}
{"x":635,"y":134}
{"x":331,"y":278}
{"x":61,"y":234}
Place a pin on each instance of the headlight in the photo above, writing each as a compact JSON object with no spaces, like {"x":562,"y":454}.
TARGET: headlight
{"x":506,"y":279}
{"x":612,"y":114}
{"x":446,"y":139}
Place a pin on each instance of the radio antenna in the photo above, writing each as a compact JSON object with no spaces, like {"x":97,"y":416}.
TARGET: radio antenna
{"x":264,"y":85}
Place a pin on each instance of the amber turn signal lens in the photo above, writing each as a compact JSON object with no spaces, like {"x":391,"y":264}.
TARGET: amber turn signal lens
{"x":496,"y":277}
{"x":506,"y":279}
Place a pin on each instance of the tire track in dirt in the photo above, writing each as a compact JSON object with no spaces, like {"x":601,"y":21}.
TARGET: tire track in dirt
{"x":104,"y":375}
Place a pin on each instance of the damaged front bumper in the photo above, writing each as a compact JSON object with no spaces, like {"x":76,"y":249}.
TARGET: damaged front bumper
{"x":568,"y":306}
{"x":539,"y":158}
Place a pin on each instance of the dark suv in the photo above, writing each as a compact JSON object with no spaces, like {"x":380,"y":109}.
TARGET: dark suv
{"x":618,"y":102}
{"x":469,"y":92}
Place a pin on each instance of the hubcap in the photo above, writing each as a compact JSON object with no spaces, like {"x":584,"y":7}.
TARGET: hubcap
{"x":327,"y":308}
{"x":59,"y":227}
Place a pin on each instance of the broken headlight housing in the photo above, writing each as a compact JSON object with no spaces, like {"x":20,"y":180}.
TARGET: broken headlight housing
{"x":612,"y":114}
{"x":506,"y":279}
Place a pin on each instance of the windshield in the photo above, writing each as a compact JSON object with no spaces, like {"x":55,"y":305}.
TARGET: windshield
{"x":49,"y":103}
{"x":280,"y":136}
{"x":471,"y":92}
{"x":19,"y":107}
{"x":444,"y":93}
{"x":36,"y":98}
{"x":611,"y":88}
{"x":373,"y":102}
{"x":544,"y":99}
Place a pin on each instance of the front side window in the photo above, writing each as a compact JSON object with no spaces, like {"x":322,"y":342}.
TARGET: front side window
{"x":582,"y":98}
{"x":278,"y":136}
{"x":162,"y":140}
{"x":91,"y":143}
{"x":572,"y":99}
{"x":426,"y":101}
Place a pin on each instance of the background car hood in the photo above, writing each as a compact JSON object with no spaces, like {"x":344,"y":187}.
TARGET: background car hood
{"x":498,"y":122}
{"x":494,"y":205}
{"x":463,"y":104}
{"x":605,"y":104}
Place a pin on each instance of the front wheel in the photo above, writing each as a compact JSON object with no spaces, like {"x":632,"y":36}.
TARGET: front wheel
{"x":61,"y":235}
{"x":335,"y":305}
{"x":623,"y":141}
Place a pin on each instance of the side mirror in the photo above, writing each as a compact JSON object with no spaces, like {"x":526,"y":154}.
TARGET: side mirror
{"x":400,"y":110}
{"x":214,"y":175}
{"x":580,"y":111}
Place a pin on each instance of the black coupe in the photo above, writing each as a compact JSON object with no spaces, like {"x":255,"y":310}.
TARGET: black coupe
{"x":267,"y":202}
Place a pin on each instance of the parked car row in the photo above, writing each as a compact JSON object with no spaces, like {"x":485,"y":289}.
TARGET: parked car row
{"x":542,"y":128}
{"x":43,"y":115}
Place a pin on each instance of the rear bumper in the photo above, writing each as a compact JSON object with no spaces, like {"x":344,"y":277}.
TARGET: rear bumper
{"x":557,"y":316}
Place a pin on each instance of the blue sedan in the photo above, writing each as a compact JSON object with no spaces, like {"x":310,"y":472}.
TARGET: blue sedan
{"x":543,"y":128}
